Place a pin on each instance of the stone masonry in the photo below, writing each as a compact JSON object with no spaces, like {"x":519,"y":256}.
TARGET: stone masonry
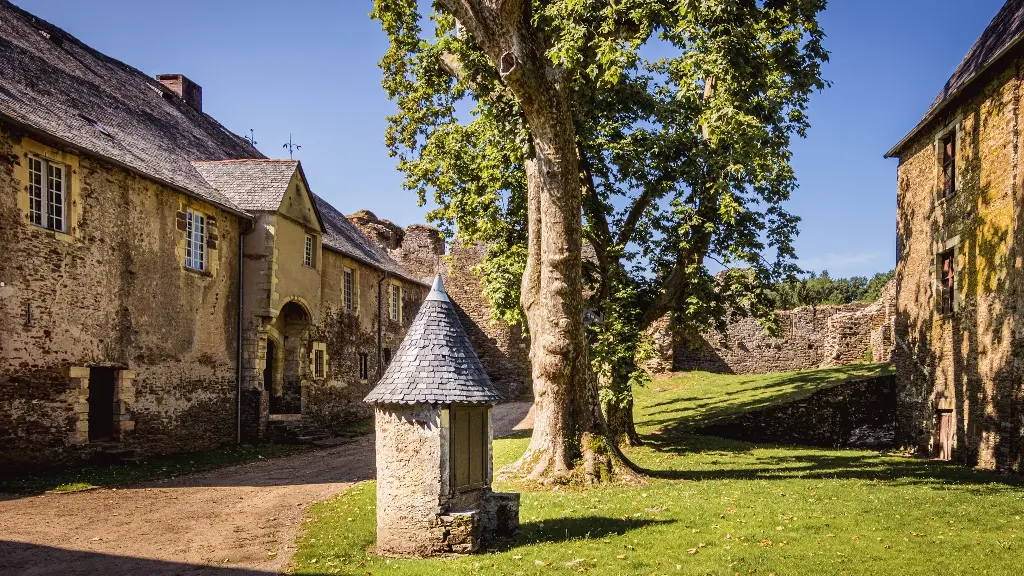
{"x":959,"y":330}
{"x":810,"y":337}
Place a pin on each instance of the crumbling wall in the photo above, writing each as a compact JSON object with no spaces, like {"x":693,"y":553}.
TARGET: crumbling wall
{"x":810,"y":337}
{"x":112,"y":292}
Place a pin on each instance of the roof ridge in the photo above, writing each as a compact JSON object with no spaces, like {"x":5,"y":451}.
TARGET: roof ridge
{"x":241,"y":160}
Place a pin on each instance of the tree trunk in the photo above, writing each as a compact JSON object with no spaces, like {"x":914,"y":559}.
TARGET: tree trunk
{"x":569,"y":434}
{"x":618,"y":408}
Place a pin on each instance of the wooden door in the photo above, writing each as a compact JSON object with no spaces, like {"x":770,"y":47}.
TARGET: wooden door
{"x":469,"y":447}
{"x":946,"y":435}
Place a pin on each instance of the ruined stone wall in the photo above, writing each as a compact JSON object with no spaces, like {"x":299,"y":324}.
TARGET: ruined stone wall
{"x":112,"y":292}
{"x":965,"y":363}
{"x":810,"y":337}
{"x":503,"y":349}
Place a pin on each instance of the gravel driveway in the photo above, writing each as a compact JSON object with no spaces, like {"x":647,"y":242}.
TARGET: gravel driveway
{"x":233,"y":521}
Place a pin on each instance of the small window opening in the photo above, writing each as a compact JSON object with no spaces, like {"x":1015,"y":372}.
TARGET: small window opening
{"x":949,"y":165}
{"x":387,"y":356}
{"x":396,"y":303}
{"x":318,"y":363}
{"x":307,"y":253}
{"x":348,"y":281}
{"x":947,"y":294}
{"x":364,"y":366}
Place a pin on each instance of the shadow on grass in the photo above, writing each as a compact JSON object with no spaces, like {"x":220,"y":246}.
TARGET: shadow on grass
{"x":20,"y":559}
{"x":741,"y":461}
{"x":559,"y":530}
{"x":688,"y":411}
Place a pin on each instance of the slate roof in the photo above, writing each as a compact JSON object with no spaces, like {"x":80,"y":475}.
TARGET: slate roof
{"x":435,"y":363}
{"x":343,"y":236}
{"x":51,"y":83}
{"x":252,"y":184}
{"x":1003,"y":33}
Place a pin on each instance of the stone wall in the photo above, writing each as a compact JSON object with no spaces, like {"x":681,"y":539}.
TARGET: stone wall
{"x":503,"y":349}
{"x":965,"y":364}
{"x":852,"y":414}
{"x":113,"y":292}
{"x":810,"y":337}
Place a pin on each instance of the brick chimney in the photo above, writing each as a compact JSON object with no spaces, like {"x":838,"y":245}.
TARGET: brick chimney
{"x":188,"y":90}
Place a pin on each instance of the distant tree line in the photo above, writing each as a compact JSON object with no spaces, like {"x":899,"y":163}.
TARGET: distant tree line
{"x":823,"y":290}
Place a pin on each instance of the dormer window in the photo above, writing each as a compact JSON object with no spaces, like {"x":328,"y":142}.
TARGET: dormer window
{"x":47,"y":193}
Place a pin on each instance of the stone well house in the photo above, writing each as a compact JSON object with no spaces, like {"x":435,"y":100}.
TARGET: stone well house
{"x":959,"y":317}
{"x":163,"y":286}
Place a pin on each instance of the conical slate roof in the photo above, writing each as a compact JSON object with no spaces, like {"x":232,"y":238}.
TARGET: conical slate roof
{"x":435,"y":363}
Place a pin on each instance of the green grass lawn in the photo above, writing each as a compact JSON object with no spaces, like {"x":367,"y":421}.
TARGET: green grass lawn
{"x":84,"y":478}
{"x":713,"y":506}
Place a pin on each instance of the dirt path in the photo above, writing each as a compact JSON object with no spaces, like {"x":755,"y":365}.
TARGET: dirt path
{"x":234,"y":521}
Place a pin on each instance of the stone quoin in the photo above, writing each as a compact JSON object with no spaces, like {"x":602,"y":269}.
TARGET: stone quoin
{"x":433,"y":425}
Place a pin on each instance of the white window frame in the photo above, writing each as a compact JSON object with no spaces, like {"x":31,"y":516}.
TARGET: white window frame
{"x":195,"y":240}
{"x":47,"y":193}
{"x":348,"y":280}
{"x":395,"y":309}
{"x":307,"y":252}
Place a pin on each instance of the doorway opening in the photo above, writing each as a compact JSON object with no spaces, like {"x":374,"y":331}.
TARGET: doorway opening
{"x":268,"y":369}
{"x":291,"y":360}
{"x":947,"y":432}
{"x":101,"y":403}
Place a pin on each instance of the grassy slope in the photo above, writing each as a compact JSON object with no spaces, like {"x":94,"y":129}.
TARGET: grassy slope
{"x":713,"y":506}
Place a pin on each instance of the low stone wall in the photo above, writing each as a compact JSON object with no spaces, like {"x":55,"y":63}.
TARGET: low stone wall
{"x":853,"y":414}
{"x":810,"y":337}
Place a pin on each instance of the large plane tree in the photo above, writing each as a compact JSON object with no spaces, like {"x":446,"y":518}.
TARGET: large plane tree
{"x":657,"y":130}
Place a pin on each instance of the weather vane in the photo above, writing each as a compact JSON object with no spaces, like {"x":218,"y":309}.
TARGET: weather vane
{"x":292,"y":147}
{"x":251,"y":137}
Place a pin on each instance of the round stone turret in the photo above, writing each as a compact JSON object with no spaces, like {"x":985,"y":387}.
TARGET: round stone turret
{"x":432,"y":412}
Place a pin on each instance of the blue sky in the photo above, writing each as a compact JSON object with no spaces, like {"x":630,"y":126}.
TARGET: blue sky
{"x":308,"y":67}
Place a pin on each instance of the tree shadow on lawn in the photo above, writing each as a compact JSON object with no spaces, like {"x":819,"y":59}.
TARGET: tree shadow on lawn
{"x":784,"y":389}
{"x":557,"y":530}
{"x":742,"y":461}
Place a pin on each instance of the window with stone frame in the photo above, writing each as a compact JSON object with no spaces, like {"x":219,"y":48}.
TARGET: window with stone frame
{"x":195,"y":240}
{"x":348,"y":287}
{"x":364,"y":366}
{"x":948,"y":163}
{"x":47,"y":193}
{"x":396,"y":303}
{"x":945,"y":264}
{"x":319,"y":369}
{"x":308,"y":253}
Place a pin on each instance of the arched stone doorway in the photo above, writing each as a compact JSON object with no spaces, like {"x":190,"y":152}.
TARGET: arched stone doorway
{"x":287,"y":359}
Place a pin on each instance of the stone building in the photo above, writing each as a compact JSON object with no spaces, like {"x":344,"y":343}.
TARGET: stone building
{"x":434,"y":458}
{"x":503,"y":349}
{"x":959,"y":325}
{"x":163,"y":286}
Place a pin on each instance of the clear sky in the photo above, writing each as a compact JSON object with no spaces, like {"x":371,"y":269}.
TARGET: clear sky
{"x":308,"y":67}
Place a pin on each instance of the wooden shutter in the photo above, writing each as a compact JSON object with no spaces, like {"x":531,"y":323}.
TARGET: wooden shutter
{"x":469,"y":447}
